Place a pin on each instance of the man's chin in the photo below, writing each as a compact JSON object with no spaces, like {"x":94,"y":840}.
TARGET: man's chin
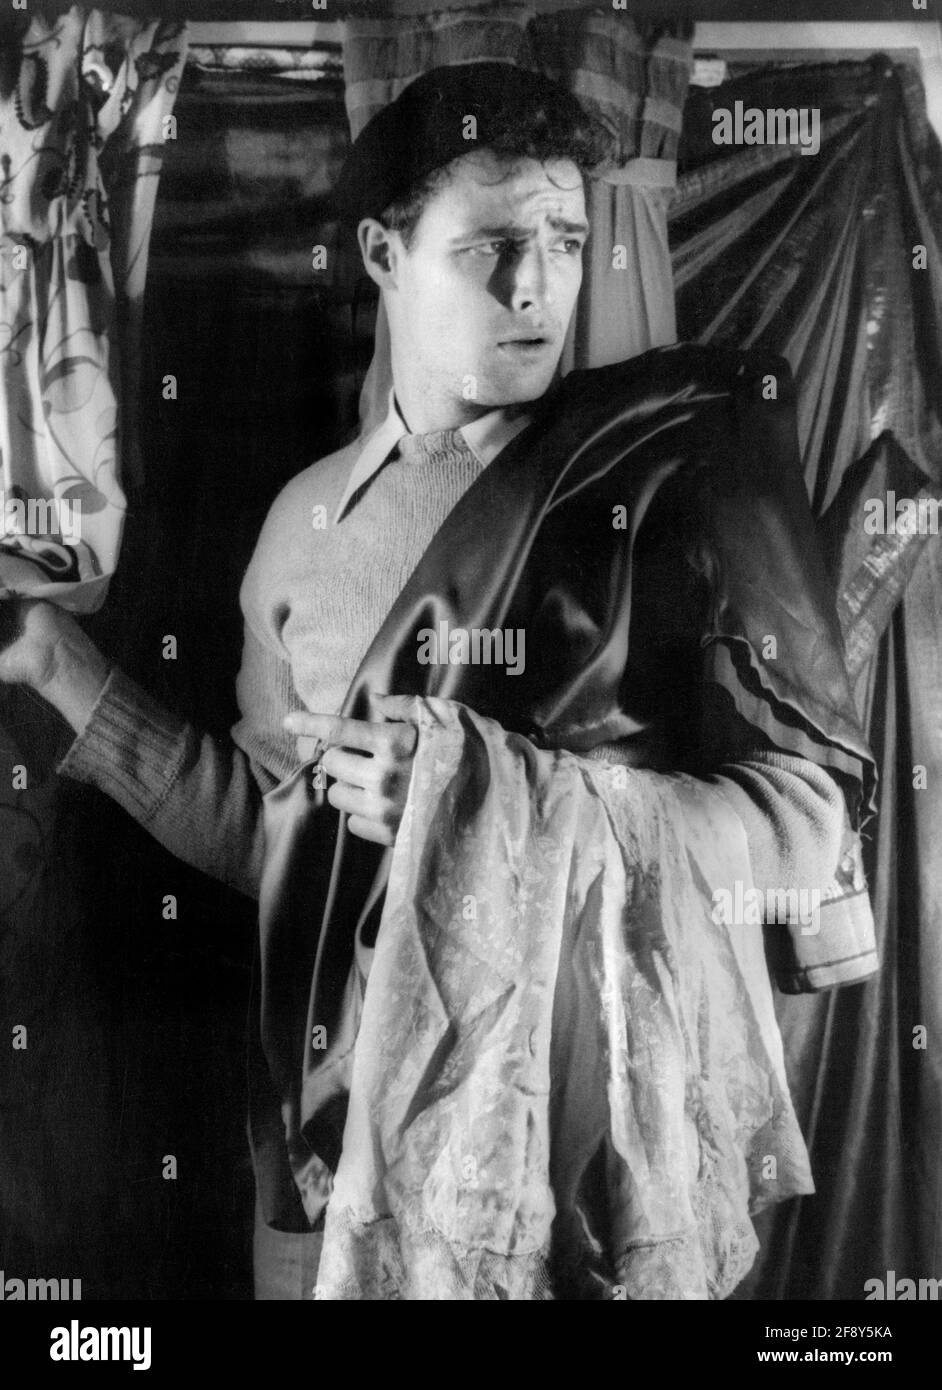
{"x":517,"y":387}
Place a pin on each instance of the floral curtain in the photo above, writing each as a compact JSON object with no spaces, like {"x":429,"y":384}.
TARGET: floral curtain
{"x":84,"y":98}
{"x":631,"y":74}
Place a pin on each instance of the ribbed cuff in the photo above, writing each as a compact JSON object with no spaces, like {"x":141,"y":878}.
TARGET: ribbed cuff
{"x":131,"y":749}
{"x":844,"y":951}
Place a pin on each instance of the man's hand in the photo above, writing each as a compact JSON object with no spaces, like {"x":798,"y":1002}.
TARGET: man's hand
{"x":371,"y":760}
{"x":29,"y":632}
{"x":43,"y":647}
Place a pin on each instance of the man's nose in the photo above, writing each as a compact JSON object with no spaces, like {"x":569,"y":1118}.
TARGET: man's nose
{"x":530,"y":289}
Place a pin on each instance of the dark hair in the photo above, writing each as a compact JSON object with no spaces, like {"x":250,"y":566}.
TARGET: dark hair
{"x":541,"y":135}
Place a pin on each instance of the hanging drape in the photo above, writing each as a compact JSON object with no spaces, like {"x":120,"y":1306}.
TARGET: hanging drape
{"x":83,"y":101}
{"x":835,"y":262}
{"x":630,"y":74}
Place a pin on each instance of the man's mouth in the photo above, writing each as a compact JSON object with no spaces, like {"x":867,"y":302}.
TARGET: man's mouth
{"x":525,"y":346}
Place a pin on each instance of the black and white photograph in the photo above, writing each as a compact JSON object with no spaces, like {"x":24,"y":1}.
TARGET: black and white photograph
{"x":471,"y":663}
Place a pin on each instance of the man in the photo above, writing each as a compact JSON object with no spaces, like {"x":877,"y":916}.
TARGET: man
{"x":477,"y":254}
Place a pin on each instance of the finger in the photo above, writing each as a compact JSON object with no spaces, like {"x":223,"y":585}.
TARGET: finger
{"x":354,"y":768}
{"x":395,"y":707}
{"x":399,"y":710}
{"x":297,"y":721}
{"x":386,"y":742}
{"x":337,"y":731}
{"x":356,"y":801}
{"x":401,"y":740}
{"x":370,"y":830}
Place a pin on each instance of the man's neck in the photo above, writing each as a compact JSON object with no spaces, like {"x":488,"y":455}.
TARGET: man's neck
{"x":421,"y":416}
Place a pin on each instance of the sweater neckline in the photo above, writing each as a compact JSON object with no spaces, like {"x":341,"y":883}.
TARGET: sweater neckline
{"x":436,"y":444}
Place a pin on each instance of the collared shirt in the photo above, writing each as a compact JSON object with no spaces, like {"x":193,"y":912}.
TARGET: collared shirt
{"x":485,"y":437}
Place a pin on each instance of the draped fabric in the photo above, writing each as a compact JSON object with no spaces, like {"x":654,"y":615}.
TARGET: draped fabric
{"x":82,"y":106}
{"x":834,"y":261}
{"x":632,"y":75}
{"x":609,"y":1128}
{"x":82,"y":101}
{"x":644,"y":648}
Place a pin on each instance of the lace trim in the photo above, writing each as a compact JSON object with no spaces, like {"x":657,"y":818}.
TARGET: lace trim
{"x":381,"y":1260}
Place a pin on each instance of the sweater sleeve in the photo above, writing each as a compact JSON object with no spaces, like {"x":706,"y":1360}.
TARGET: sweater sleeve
{"x":800,"y":838}
{"x":200,"y":797}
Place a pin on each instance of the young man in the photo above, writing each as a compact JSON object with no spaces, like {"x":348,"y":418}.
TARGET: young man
{"x":477,"y":252}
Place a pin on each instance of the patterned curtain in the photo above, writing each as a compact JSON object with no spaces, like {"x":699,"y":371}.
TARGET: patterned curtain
{"x":632,"y":75}
{"x":83,"y":96}
{"x":83,"y":101}
{"x":836,"y":262}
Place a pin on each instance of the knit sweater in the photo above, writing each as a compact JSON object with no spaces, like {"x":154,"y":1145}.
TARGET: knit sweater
{"x":314,"y":595}
{"x":313,"y":598}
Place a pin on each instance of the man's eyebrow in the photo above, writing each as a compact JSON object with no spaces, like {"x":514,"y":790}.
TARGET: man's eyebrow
{"x":514,"y":231}
{"x":561,"y":224}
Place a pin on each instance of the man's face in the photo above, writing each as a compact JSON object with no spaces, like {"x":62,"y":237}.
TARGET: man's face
{"x":482,"y":299}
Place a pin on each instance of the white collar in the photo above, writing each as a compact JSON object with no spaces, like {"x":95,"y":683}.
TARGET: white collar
{"x":485,"y":437}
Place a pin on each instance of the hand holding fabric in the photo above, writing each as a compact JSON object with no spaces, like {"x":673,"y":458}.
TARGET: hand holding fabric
{"x":370,"y":759}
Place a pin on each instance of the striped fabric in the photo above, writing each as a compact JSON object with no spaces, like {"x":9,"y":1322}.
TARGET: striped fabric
{"x":631,"y":74}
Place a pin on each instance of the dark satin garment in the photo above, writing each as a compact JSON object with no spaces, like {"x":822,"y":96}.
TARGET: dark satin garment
{"x":653,"y":634}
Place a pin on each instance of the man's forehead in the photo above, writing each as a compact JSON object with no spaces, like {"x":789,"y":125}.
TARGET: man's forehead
{"x":486,"y":186}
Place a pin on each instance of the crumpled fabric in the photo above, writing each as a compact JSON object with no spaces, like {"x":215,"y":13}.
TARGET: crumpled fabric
{"x":567,"y":1080}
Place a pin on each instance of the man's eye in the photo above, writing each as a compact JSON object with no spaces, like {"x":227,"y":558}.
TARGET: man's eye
{"x":571,"y":246}
{"x":493,"y":248}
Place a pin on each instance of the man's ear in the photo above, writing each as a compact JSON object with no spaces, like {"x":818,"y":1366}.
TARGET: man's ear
{"x":380,"y":249}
